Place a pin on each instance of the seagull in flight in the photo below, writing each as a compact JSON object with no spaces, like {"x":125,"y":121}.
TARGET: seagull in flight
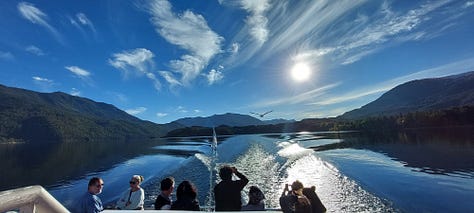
{"x":261,"y":114}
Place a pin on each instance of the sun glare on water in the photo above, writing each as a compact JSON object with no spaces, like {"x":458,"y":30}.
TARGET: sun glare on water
{"x":300,"y":72}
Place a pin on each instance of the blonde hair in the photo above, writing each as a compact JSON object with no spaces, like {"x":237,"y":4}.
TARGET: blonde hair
{"x":138,"y":177}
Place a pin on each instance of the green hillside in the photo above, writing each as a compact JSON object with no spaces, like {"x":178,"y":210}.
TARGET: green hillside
{"x":32,"y":117}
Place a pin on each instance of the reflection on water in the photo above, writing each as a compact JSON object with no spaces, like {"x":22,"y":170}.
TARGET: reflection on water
{"x":434,"y":151}
{"x":415,"y":171}
{"x":57,"y":163}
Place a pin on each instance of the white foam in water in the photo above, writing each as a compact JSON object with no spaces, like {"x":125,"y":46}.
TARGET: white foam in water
{"x":336,"y":191}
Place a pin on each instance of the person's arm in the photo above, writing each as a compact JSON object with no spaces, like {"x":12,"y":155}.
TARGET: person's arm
{"x":122,"y":200}
{"x":243,"y":180}
{"x":285,"y":190}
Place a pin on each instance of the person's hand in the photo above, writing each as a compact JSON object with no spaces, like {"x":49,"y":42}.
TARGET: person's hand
{"x":234,"y":170}
{"x":286,"y":187}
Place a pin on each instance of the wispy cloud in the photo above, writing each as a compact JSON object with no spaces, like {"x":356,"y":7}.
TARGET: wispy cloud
{"x":305,"y":97}
{"x":215,"y":75}
{"x":257,"y":21}
{"x":234,"y":48}
{"x":6,"y":55}
{"x":377,"y":89}
{"x":34,"y":50}
{"x":468,"y":4}
{"x":81,"y":20}
{"x":36,"y":16}
{"x":181,"y":109}
{"x":136,"y":111}
{"x":44,"y":84}
{"x":343,"y":31}
{"x":79,"y":72}
{"x":386,"y":29}
{"x":188,"y":31}
{"x":40,"y":79}
{"x":75,"y":92}
{"x":137,"y":61}
{"x":160,"y":114}
{"x":169,"y":77}
{"x":85,"y":21}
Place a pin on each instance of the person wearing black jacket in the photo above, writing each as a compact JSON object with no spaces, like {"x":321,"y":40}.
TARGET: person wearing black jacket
{"x":163,"y":200}
{"x":186,"y":197}
{"x":227,"y":192}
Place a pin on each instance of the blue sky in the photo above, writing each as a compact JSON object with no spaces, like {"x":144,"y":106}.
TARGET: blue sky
{"x":164,"y":60}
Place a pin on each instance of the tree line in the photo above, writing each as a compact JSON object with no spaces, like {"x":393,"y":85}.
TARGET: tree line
{"x":458,"y":116}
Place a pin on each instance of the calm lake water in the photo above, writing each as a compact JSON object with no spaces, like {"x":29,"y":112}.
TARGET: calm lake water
{"x":414,"y":171}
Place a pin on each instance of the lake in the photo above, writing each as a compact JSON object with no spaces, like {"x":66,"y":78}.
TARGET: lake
{"x":430,"y":170}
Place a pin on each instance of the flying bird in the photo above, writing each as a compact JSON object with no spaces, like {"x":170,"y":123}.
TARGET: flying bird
{"x":261,"y":114}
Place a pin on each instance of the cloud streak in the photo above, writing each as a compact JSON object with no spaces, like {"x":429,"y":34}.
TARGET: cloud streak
{"x":136,"y":111}
{"x":34,"y":50}
{"x":75,"y":92}
{"x":190,"y":32}
{"x":440,"y":71}
{"x":43,"y":83}
{"x":137,"y":61}
{"x":82,"y":20}
{"x":305,"y":97}
{"x":79,"y":72}
{"x":6,"y":55}
{"x":343,"y":31}
{"x":257,"y":21}
{"x":36,"y":16}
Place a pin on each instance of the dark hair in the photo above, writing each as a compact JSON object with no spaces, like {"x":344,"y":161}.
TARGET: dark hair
{"x":93,"y":181}
{"x":167,"y":183}
{"x":186,"y":189}
{"x":296,"y":185}
{"x":255,"y":195}
{"x":225,"y":173}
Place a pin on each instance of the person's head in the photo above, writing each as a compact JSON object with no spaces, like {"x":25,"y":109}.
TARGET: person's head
{"x":255,"y":195}
{"x":167,"y":185}
{"x":297,"y":187}
{"x":135,"y":181}
{"x":226,"y":172}
{"x":95,"y":185}
{"x":186,"y":189}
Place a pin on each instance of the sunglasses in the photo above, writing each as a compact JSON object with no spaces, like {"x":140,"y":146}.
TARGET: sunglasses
{"x":133,"y":182}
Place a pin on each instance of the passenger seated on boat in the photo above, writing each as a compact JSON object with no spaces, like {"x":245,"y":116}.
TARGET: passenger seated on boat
{"x":227,"y":192}
{"x":133,"y":198}
{"x":163,"y":201}
{"x":90,"y":202}
{"x":294,"y":200}
{"x":186,"y":197}
{"x":316,"y":204}
{"x":256,"y":198}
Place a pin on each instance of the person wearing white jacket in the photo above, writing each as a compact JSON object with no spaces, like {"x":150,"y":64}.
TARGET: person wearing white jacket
{"x":133,"y":198}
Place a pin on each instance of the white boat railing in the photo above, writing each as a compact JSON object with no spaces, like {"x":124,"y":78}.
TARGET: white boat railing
{"x":31,"y":199}
{"x":35,"y":199}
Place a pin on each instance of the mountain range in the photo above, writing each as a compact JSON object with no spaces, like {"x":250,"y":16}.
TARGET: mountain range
{"x":228,"y":119}
{"x":27,"y":116}
{"x":421,"y":95}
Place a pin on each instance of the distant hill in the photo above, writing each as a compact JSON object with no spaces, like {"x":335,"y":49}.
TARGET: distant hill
{"x":278,"y":121}
{"x":228,"y":119}
{"x":421,"y":95}
{"x":28,"y":116}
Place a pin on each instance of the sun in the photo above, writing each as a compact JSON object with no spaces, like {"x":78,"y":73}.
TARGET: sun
{"x":300,"y":72}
